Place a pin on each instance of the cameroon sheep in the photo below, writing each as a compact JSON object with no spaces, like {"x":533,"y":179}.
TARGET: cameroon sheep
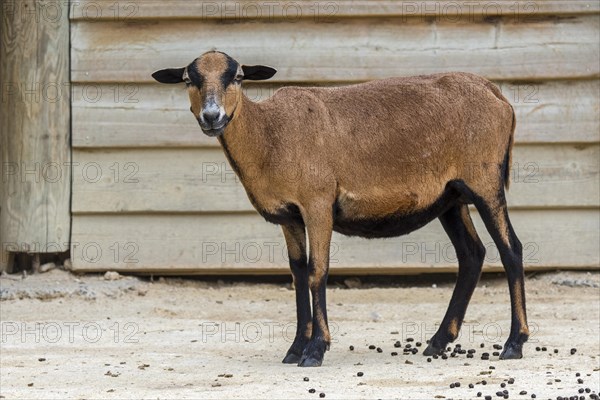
{"x":377,"y":159}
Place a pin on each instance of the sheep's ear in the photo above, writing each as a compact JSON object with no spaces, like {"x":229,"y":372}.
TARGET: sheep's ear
{"x":258,"y":72}
{"x":169,"y":75}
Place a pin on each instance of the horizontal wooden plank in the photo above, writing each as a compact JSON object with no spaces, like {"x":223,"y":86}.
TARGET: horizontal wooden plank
{"x":327,"y":10}
{"x":246,"y":244}
{"x":356,"y":49}
{"x":140,"y":115}
{"x":201,"y":180}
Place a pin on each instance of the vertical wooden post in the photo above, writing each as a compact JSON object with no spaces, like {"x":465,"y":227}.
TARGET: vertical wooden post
{"x":35,"y":119}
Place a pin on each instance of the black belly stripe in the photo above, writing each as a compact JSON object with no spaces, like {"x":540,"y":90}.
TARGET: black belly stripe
{"x":396,"y":224}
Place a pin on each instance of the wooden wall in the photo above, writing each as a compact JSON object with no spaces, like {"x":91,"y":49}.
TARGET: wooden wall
{"x":151,"y":193}
{"x":35,"y":154}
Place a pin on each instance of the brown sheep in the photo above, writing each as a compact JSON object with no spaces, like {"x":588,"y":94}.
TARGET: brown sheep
{"x":377,"y":159}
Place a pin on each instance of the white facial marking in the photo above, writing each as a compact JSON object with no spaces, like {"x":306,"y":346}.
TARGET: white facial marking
{"x":211,"y":107}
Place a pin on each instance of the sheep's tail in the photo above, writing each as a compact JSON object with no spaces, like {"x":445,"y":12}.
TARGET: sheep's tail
{"x":508,"y":156}
{"x":507,"y":163}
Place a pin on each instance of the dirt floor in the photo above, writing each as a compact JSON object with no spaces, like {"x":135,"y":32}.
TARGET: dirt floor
{"x":66,"y":336}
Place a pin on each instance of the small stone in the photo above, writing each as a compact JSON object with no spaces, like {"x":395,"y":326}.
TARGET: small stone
{"x":47,"y":267}
{"x":376,"y":317}
{"x":352,"y":283}
{"x":111,"y":276}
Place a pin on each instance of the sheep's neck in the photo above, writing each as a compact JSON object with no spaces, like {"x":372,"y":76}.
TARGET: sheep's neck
{"x":244,"y":141}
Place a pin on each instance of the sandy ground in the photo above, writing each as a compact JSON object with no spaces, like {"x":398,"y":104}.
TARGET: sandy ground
{"x":65,"y":336}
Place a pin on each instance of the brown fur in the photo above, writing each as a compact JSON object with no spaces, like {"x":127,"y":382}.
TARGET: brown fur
{"x":366,"y":152}
{"x":357,"y":143}
{"x":453,"y":328}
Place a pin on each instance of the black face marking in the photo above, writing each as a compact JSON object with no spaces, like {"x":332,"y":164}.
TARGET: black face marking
{"x":230,"y":73}
{"x":195,"y":76}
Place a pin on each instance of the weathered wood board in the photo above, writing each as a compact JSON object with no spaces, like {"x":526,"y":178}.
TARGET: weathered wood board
{"x":352,"y":50}
{"x":153,"y":115}
{"x":34,"y":131}
{"x":326,"y":10}
{"x":244,"y":243}
{"x":201,"y":180}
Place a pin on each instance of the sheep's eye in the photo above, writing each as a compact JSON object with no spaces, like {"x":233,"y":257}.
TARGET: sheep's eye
{"x":192,"y":111}
{"x":238,"y":78}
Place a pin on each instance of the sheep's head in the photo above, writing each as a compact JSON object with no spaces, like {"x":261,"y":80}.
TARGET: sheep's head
{"x":214,"y":83}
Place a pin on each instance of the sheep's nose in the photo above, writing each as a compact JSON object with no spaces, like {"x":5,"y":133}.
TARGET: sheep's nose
{"x":210,"y":116}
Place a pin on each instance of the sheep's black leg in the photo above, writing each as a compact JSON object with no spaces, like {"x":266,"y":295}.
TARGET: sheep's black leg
{"x":470,"y":253}
{"x":494,"y":213}
{"x":295,"y":237}
{"x":319,"y":225}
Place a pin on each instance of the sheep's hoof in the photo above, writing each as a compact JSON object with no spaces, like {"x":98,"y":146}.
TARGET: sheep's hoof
{"x":434,"y":347}
{"x":294,"y":353}
{"x":512,"y":351}
{"x":430,"y":351}
{"x":291,"y":358}
{"x":313,"y":354}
